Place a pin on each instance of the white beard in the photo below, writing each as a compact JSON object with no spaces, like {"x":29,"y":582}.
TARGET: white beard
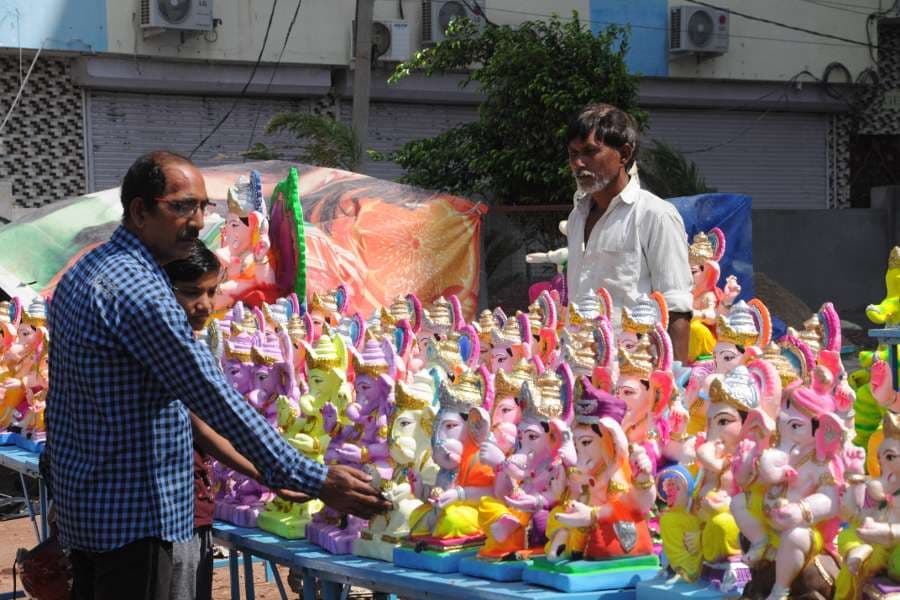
{"x":593,"y":186}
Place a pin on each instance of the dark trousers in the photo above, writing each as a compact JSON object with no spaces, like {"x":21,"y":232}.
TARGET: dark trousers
{"x":205,"y":568}
{"x":141,"y":570}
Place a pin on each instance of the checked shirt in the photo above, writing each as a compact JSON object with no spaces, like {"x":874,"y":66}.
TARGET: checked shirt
{"x":124,"y":369}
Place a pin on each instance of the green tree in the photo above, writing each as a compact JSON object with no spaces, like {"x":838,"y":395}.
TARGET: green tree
{"x":534,"y":78}
{"x":327,"y":142}
{"x":668,"y":173}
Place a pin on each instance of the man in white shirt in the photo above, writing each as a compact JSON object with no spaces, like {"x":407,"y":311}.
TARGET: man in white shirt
{"x":621,"y":237}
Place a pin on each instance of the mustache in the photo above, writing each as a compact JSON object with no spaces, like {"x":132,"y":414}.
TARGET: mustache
{"x":585,"y":173}
{"x":188,"y":234}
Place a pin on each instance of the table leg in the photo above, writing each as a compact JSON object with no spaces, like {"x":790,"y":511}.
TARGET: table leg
{"x":249,"y":591}
{"x":331,"y":590}
{"x":277,"y":577}
{"x":309,"y":585}
{"x":42,"y":492}
{"x":31,"y":515}
{"x":234,"y":574}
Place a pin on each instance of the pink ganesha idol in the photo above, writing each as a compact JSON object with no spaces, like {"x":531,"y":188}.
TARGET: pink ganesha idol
{"x":363,"y":444}
{"x":792,"y":479}
{"x":244,"y":254}
{"x":655,"y":419}
{"x":742,"y":334}
{"x":599,"y":538}
{"x":709,"y":301}
{"x":24,"y":372}
{"x":532,"y":480}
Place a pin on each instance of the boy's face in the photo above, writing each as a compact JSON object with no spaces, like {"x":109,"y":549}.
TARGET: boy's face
{"x":196,"y":298}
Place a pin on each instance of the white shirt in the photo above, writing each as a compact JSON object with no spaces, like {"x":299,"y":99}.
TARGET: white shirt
{"x":638,"y":246}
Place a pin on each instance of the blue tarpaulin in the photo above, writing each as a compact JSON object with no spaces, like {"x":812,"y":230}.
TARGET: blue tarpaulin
{"x":732,"y":214}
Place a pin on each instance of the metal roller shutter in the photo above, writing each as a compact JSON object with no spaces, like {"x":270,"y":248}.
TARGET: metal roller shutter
{"x":122,"y":126}
{"x":392,"y":124}
{"x":778,"y":158}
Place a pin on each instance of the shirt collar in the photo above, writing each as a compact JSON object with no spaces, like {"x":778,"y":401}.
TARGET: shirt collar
{"x":628,"y":195}
{"x":134,"y":246}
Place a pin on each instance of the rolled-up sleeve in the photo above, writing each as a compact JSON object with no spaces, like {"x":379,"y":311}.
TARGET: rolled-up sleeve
{"x":159,"y":337}
{"x":666,"y":252}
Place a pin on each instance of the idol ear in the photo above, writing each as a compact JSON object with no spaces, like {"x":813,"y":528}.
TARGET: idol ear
{"x":717,"y":241}
{"x":469,"y":345}
{"x":341,"y":297}
{"x":478,"y":415}
{"x":403,"y":337}
{"x":662,"y":383}
{"x":548,"y":342}
{"x":831,"y":328}
{"x":758,"y":427}
{"x":662,"y":307}
{"x":500,"y":317}
{"x":340,"y":349}
{"x":456,"y":314}
{"x":712,"y":271}
{"x":605,"y":301}
{"x":567,"y":391}
{"x":15,"y":311}
{"x":829,"y":437}
{"x":604,"y":378}
{"x":548,"y":309}
{"x":763,"y":321}
{"x":619,"y":441}
{"x":415,"y":309}
{"x":487,"y":382}
{"x":769,"y":384}
{"x":604,"y":338}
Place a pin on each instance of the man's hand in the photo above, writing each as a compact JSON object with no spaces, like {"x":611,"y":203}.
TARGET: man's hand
{"x":347,"y":490}
{"x":292,"y":496}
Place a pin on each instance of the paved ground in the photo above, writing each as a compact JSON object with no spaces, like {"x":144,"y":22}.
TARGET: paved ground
{"x":18,"y":533}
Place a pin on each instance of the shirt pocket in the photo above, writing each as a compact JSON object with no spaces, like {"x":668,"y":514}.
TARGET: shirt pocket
{"x":615,"y":257}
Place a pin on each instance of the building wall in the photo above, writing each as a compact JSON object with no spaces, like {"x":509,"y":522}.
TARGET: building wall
{"x":42,"y":146}
{"x":78,"y":25}
{"x":321,"y":35}
{"x":757,"y":51}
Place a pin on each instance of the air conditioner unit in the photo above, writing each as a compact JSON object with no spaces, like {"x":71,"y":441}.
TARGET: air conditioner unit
{"x":391,"y":40}
{"x":437,"y":14}
{"x":698,"y":30}
{"x":182,"y":15}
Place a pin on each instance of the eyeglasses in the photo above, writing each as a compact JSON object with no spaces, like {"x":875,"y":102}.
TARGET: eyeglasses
{"x":187,"y":208}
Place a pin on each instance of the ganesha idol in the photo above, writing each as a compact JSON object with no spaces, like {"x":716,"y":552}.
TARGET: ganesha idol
{"x":361,"y":443}
{"x":870,"y":546}
{"x":598,"y":536}
{"x":506,"y":413}
{"x":789,"y":509}
{"x":709,"y":301}
{"x":23,"y":370}
{"x":303,"y":427}
{"x":409,"y":446}
{"x":741,"y":333}
{"x":445,"y":528}
{"x":326,"y":310}
{"x":249,"y":275}
{"x":655,"y":419}
{"x":700,"y":535}
{"x":530,"y":482}
{"x":508,"y":343}
{"x":539,"y":326}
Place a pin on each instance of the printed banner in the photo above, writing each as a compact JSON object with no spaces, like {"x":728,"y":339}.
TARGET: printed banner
{"x":379,"y":238}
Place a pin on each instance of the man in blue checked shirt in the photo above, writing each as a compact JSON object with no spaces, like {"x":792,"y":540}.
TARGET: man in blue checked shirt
{"x":124,"y":370}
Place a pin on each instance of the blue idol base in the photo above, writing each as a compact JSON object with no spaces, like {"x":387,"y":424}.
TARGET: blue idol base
{"x":659,"y":588}
{"x":499,"y":570}
{"x":31,"y":445}
{"x":434,"y":562}
{"x":591,"y":576}
{"x":8,"y":438}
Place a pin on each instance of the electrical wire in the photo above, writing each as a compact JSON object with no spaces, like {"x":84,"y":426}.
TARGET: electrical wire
{"x":21,"y":89}
{"x":666,"y":29}
{"x":287,"y":37}
{"x":835,"y":6}
{"x":777,"y":24}
{"x":246,"y":85}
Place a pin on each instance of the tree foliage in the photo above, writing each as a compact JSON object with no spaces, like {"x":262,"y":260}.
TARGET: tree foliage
{"x":668,"y":173}
{"x":534,"y":77}
{"x":327,"y":142}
